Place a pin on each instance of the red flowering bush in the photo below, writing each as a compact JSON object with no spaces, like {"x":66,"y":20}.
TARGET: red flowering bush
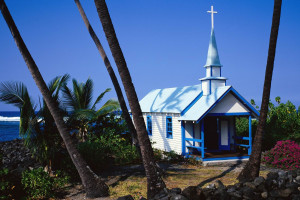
{"x":284,"y":155}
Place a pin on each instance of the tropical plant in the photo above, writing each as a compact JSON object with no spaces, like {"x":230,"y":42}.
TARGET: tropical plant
{"x":40,"y":185}
{"x":251,"y":170}
{"x":112,"y":75}
{"x":93,"y":185}
{"x":154,"y":181}
{"x":82,"y":111}
{"x":37,"y":128}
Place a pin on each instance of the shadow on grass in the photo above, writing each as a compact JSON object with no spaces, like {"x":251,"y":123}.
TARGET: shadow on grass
{"x":116,"y":175}
{"x":221,"y":175}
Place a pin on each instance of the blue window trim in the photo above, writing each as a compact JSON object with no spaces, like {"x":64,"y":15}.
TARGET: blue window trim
{"x":149,"y":125}
{"x":169,"y":127}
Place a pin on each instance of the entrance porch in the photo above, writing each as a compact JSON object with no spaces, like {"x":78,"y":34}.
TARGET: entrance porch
{"x":214,"y":138}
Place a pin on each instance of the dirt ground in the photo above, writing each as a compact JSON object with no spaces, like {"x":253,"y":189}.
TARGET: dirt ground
{"x":131,"y":179}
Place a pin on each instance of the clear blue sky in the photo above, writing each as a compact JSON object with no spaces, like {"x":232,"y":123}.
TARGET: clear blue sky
{"x":164,"y":42}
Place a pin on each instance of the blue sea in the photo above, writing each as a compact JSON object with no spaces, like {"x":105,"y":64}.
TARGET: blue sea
{"x":9,"y":125}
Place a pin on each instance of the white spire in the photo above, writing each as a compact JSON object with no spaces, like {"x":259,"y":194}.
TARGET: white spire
{"x":212,"y":16}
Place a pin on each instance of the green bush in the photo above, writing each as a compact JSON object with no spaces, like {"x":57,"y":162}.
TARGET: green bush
{"x":5,"y":186}
{"x":38,"y":184}
{"x":283,"y":123}
{"x":102,"y":152}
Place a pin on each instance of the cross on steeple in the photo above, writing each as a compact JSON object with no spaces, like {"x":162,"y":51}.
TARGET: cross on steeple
{"x":212,"y":16}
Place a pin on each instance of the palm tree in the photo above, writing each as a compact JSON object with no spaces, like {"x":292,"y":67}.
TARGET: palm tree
{"x":251,"y":169}
{"x":36,"y":127}
{"x":154,"y":182}
{"x":111,"y":74}
{"x":93,"y":185}
{"x":79,"y":102}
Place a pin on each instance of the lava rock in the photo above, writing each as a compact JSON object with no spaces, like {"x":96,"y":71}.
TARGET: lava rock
{"x":193,"y":193}
{"x":175,"y":190}
{"x":178,"y":197}
{"x":127,"y":197}
{"x":259,"y":180}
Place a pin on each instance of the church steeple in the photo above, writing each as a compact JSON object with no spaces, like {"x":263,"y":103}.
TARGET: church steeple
{"x":212,"y":55}
{"x":213,"y":65}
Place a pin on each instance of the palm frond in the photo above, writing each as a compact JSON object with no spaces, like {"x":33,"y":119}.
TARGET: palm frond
{"x":77,"y":93}
{"x":69,"y":100}
{"x":13,"y":93}
{"x":109,"y":106}
{"x":87,"y":94}
{"x":83,"y":115}
{"x":63,"y":81}
{"x":99,"y":98}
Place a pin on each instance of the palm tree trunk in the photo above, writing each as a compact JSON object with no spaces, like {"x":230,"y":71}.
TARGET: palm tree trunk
{"x":251,"y":169}
{"x":93,"y":185}
{"x":111,"y":74}
{"x":154,"y":182}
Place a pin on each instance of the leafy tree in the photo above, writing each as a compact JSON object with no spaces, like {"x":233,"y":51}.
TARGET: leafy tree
{"x":79,"y":102}
{"x":36,"y":127}
{"x":112,"y":75}
{"x":93,"y":185}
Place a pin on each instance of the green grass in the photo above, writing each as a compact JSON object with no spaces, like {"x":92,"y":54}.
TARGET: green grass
{"x":187,"y":175}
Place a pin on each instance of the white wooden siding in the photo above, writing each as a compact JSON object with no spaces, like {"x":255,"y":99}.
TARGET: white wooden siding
{"x":217,"y":83}
{"x":229,"y":104}
{"x":159,"y":134}
{"x":205,"y":87}
{"x":216,"y":71}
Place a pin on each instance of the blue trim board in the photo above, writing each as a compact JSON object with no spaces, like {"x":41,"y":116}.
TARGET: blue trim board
{"x":193,"y":140}
{"x":234,"y":92}
{"x":245,"y":101}
{"x":202,"y":138}
{"x":214,"y":159}
{"x":226,"y":158}
{"x":250,"y":135}
{"x":192,"y":103}
{"x":214,"y":105}
{"x":183,"y":137}
{"x":229,"y":114}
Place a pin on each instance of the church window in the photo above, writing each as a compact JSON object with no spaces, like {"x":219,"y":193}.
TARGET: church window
{"x":169,"y":127}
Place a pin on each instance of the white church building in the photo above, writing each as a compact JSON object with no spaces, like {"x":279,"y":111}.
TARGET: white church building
{"x":199,"y":120}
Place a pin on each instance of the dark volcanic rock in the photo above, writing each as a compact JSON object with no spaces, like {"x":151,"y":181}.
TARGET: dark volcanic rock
{"x":127,"y":197}
{"x":16,"y":157}
{"x":193,"y":193}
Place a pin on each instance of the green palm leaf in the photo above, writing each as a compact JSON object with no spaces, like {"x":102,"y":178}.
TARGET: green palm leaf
{"x":99,"y":98}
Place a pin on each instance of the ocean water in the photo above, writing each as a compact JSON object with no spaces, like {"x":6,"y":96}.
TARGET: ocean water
{"x":9,"y":125}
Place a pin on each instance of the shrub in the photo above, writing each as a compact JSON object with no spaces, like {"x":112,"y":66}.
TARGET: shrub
{"x":284,"y":155}
{"x":39,"y":184}
{"x":106,"y":150}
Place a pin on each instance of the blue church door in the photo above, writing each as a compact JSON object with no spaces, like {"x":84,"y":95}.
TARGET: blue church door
{"x":224,"y":137}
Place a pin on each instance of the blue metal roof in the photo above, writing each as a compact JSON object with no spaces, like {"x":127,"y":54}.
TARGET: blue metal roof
{"x":204,"y":104}
{"x":212,"y":55}
{"x":170,"y":100}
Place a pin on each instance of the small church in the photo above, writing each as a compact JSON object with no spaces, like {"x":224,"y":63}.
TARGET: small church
{"x":199,"y":120}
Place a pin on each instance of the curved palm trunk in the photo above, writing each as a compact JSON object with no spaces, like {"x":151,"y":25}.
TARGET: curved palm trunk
{"x":154,"y":181}
{"x":251,"y":169}
{"x":111,"y":74}
{"x":92,"y":184}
